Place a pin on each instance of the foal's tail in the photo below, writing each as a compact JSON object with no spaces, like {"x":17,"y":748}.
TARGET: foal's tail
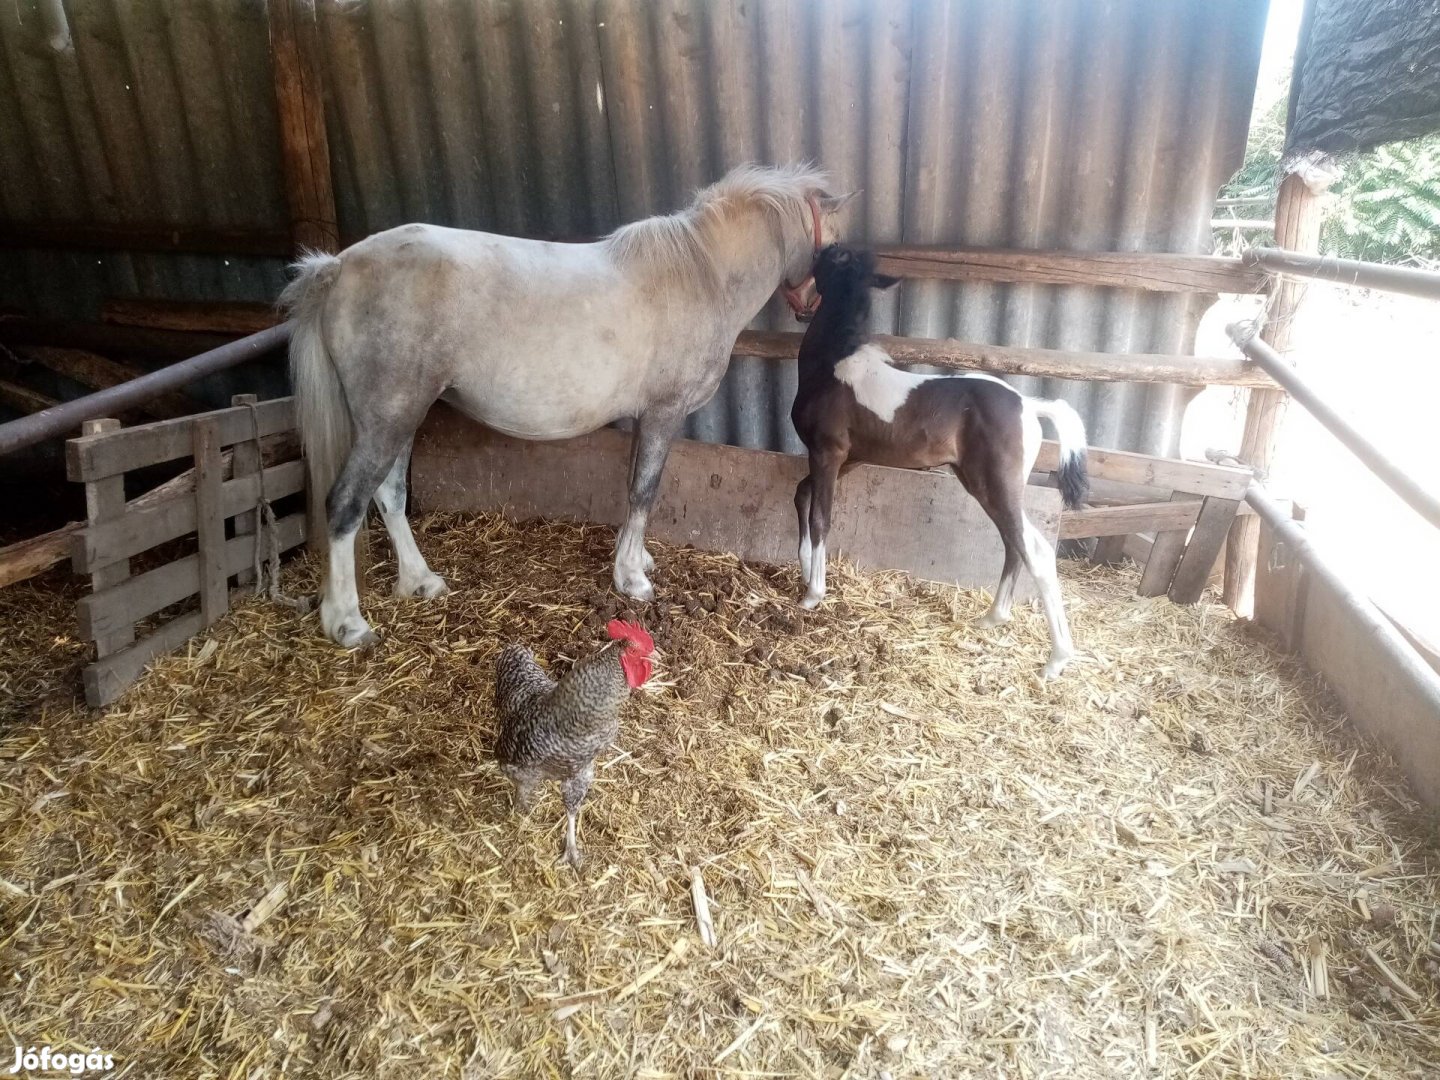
{"x":320,"y":407}
{"x":1070,"y":431}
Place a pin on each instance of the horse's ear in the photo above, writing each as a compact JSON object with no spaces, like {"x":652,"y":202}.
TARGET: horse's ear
{"x":883,"y":281}
{"x":831,"y":203}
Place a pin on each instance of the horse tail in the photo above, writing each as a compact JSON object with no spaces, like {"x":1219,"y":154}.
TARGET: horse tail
{"x":1070,"y":431}
{"x":321,"y":411}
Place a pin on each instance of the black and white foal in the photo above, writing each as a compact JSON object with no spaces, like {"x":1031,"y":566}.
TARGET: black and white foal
{"x":854,"y":406}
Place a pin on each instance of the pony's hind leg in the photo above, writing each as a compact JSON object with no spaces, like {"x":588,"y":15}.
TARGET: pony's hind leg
{"x":414,"y":576}
{"x":369,"y":463}
{"x":653,"y":433}
{"x":999,"y":488}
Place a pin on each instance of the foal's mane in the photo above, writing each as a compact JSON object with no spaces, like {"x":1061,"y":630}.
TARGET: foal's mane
{"x":674,"y":245}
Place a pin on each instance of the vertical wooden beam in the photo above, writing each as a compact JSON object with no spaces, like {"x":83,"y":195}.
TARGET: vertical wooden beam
{"x":245,"y":461}
{"x":210,"y":520}
{"x":1297,"y":228}
{"x":304,"y":147}
{"x":105,"y":501}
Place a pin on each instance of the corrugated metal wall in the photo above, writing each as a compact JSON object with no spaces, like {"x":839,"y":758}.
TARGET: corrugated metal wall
{"x":1095,"y":124}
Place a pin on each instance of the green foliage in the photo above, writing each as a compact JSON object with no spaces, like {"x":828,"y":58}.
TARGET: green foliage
{"x":1384,"y":208}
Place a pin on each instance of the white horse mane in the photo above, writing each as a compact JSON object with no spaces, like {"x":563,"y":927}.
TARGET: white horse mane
{"x":673,"y":245}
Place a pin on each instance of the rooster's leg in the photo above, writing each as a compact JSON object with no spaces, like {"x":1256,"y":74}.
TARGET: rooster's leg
{"x":573,"y":791}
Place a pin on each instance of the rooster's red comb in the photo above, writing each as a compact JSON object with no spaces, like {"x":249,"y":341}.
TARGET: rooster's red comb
{"x":634,"y":633}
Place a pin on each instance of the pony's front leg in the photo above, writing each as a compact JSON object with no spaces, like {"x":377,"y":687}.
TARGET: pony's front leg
{"x":647,"y":463}
{"x":802,"y":517}
{"x":824,"y":474}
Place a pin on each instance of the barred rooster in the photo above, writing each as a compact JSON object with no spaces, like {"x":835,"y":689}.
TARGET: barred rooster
{"x":552,"y":731}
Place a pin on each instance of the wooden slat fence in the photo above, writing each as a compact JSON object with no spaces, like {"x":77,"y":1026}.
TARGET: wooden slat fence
{"x":229,"y":450}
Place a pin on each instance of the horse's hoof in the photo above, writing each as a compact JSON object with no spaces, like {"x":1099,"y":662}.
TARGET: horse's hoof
{"x":811,"y":601}
{"x":637,"y":587}
{"x":990,"y":620}
{"x":1054,"y":667}
{"x":571,"y":857}
{"x":425,"y":588}
{"x":354,"y":633}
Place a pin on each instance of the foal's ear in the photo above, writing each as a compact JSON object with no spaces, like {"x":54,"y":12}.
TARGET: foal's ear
{"x":831,"y":203}
{"x":883,"y":281}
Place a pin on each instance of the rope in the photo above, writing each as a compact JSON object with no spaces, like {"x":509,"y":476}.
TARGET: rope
{"x":267,"y":567}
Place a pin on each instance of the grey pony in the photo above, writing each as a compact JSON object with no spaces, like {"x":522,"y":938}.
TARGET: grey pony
{"x":536,"y":340}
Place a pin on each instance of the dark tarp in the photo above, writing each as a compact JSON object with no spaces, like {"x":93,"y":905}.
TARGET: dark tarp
{"x":1366,"y":72}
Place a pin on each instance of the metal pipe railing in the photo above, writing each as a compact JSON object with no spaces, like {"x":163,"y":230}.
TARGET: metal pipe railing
{"x":1410,"y":664}
{"x":1423,"y":502}
{"x":67,"y":417}
{"x":1401,"y":279}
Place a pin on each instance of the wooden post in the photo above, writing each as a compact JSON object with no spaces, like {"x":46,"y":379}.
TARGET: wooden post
{"x":105,"y":501}
{"x":245,"y":462}
{"x":1297,"y":228}
{"x":304,"y":148}
{"x":210,"y":521}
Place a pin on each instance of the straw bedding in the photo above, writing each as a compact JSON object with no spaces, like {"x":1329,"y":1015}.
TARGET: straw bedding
{"x":274,"y":858}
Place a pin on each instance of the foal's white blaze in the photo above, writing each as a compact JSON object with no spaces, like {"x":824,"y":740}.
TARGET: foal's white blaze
{"x":877,"y":385}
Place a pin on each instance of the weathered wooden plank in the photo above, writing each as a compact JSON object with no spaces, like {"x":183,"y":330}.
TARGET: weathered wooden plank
{"x":1120,"y":520}
{"x":1206,"y":541}
{"x":93,"y":236}
{"x":210,"y":522}
{"x":98,"y":372}
{"x":1168,"y":474}
{"x":720,"y":498}
{"x":304,"y":147}
{"x":157,"y":589}
{"x":106,"y":679}
{"x":105,"y":501}
{"x":1165,"y":553}
{"x":204,"y":316}
{"x":26,"y":558}
{"x":967,"y":356}
{"x":93,"y":457}
{"x":246,"y":462}
{"x":24,"y":400}
{"x":1151,"y":271}
{"x":143,"y":528}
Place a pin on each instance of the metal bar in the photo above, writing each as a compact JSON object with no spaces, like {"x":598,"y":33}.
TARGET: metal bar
{"x":1421,"y":501}
{"x":67,"y":417}
{"x":1410,"y":663}
{"x":1367,"y":275}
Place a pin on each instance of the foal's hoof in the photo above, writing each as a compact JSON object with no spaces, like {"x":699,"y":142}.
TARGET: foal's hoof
{"x":990,"y":620}
{"x":426,"y":588}
{"x":572,"y":857}
{"x":812,"y":601}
